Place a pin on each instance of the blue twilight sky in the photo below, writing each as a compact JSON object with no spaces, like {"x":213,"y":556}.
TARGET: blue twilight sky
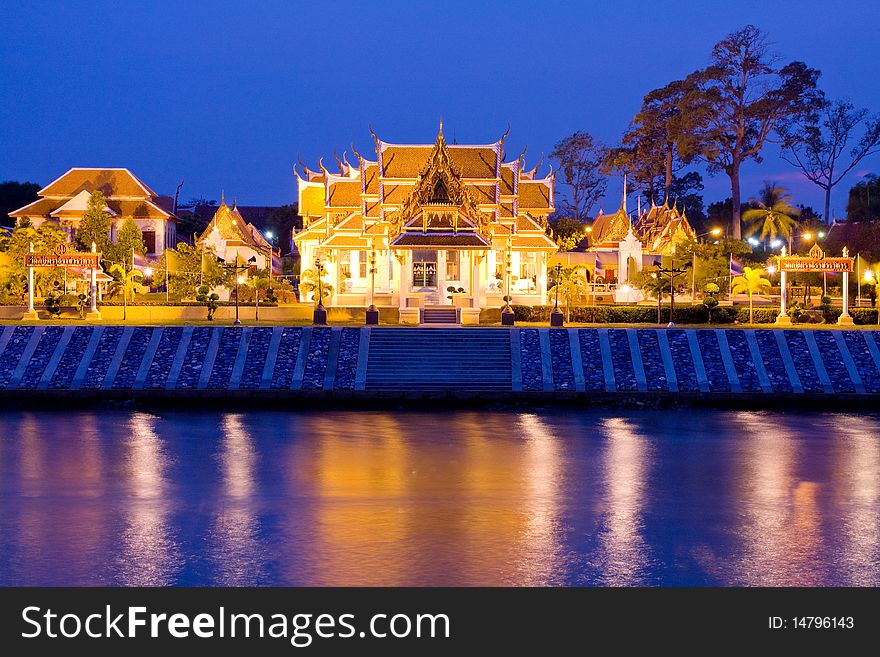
{"x":227,"y":94}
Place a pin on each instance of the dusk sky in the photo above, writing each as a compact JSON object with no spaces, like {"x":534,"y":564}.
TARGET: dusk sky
{"x":227,"y":95}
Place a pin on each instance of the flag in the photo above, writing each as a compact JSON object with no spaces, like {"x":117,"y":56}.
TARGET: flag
{"x":599,"y":272}
{"x":736,"y":267}
{"x":276,"y":263}
{"x":140,"y":262}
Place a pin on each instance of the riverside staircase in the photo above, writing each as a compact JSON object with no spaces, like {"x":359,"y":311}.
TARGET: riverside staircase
{"x":438,"y":360}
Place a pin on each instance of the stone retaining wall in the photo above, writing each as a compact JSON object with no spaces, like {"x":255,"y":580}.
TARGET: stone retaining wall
{"x":117,"y":362}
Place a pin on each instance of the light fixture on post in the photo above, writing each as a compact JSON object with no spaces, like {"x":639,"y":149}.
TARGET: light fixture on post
{"x":319,"y":316}
{"x":372,"y":318}
{"x":507,"y":316}
{"x":555,"y":315}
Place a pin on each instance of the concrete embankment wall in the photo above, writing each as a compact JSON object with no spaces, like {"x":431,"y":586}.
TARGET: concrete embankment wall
{"x":130,"y":362}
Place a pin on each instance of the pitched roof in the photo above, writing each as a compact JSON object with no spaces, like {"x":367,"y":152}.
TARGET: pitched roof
{"x":112,"y":182}
{"x":233,"y":228}
{"x":534,"y":195}
{"x":39,"y":208}
{"x":345,"y":194}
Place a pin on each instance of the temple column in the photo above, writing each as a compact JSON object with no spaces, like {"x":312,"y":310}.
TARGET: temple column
{"x":441,"y":277}
{"x":542,"y":279}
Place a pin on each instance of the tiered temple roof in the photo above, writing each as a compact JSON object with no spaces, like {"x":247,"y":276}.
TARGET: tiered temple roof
{"x":662,"y":227}
{"x":659,"y":228}
{"x":427,"y":196}
{"x":233,"y":229}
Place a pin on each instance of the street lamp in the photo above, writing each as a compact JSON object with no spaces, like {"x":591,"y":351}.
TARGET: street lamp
{"x":319,"y":316}
{"x":372,"y":312}
{"x":556,"y":316}
{"x":672,"y":272}
{"x":507,"y":316}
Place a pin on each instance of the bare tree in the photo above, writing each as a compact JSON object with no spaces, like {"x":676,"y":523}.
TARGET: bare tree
{"x":736,"y":104}
{"x":580,"y":159}
{"x":817,"y":145}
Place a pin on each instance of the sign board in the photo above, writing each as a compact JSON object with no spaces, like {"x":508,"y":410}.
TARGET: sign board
{"x":63,"y":258}
{"x":816,"y":262}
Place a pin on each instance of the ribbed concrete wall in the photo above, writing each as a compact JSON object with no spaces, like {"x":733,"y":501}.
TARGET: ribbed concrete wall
{"x":133,"y":361}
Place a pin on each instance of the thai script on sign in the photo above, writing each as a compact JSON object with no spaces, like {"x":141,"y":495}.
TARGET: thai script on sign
{"x":794,"y":264}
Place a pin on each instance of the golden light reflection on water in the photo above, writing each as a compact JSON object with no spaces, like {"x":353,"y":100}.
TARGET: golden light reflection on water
{"x":66,"y":467}
{"x":623,"y":555}
{"x":237,"y":553}
{"x":780,"y":518}
{"x":382,"y":507}
{"x":149,"y":553}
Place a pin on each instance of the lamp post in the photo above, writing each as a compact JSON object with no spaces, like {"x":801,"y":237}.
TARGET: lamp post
{"x":239,"y":280}
{"x":715,"y":232}
{"x":372,"y":313}
{"x":319,"y":316}
{"x":555,"y":315}
{"x":507,"y":316}
{"x":672,"y":272}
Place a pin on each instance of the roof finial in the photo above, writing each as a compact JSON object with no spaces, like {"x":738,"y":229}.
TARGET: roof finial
{"x":234,"y":203}
{"x":440,"y":134}
{"x":623,"y":204}
{"x":222,"y":197}
{"x":640,"y":206}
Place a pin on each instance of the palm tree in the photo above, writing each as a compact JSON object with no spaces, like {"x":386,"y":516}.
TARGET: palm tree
{"x":572,"y":286}
{"x":258,"y":280}
{"x":752,"y":283}
{"x":126,"y":282}
{"x":775,"y":215}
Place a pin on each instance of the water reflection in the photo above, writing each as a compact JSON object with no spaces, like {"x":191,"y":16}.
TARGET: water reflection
{"x":150,"y":555}
{"x":781,"y":519}
{"x":238,"y":555}
{"x":857,"y":453}
{"x":446,"y":498}
{"x":623,"y":558}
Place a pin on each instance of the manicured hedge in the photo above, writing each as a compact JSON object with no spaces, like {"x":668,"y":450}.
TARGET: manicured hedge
{"x":630,"y":314}
{"x":683,"y":314}
{"x":150,"y":302}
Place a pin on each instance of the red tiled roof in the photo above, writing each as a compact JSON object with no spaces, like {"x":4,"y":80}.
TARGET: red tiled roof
{"x":112,"y":182}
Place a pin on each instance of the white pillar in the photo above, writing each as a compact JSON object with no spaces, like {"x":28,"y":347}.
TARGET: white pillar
{"x":845,"y":318}
{"x":31,"y":313}
{"x":93,"y":289}
{"x":783,"y":317}
{"x":441,"y":277}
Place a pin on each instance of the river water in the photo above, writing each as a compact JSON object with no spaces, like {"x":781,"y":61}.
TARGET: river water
{"x":561,"y":497}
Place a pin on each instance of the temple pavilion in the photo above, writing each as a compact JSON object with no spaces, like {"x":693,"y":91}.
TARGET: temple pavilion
{"x":618,"y":246}
{"x":418,"y":219}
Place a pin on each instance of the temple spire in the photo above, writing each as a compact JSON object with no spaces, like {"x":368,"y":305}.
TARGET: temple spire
{"x":623,"y":203}
{"x":222,"y":197}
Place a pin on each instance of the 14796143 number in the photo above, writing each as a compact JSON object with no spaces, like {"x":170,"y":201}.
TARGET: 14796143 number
{"x":811,"y":623}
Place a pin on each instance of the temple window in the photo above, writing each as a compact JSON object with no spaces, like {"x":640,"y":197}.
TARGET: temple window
{"x":344,"y":264}
{"x":363,"y":262}
{"x":150,"y":240}
{"x":424,"y":268}
{"x":453,"y":269}
{"x":528,"y":266}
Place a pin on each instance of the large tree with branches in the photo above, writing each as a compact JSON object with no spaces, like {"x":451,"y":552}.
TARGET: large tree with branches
{"x":738,"y":103}
{"x":580,"y":158}
{"x":820,"y":145}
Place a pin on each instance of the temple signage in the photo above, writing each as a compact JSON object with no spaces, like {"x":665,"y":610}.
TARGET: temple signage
{"x":63,"y":258}
{"x":816,"y":262}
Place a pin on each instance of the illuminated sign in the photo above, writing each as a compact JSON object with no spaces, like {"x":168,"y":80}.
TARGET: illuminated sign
{"x":816,"y":262}
{"x":63,"y":258}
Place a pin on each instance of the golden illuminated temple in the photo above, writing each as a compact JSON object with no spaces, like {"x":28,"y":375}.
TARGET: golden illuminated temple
{"x":431,"y":217}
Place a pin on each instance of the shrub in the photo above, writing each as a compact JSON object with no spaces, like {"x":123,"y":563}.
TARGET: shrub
{"x":684,"y":314}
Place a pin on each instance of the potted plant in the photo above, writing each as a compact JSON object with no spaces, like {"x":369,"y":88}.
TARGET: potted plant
{"x":709,"y":298}
{"x":208,"y":298}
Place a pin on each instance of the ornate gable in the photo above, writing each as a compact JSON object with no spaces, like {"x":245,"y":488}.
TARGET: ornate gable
{"x":440,"y":203}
